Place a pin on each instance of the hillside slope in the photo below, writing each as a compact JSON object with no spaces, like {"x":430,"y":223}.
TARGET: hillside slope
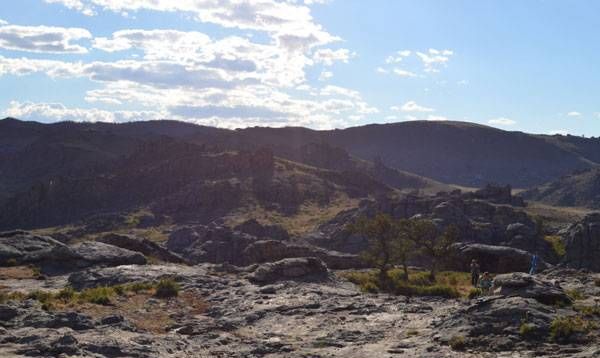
{"x":581,"y":189}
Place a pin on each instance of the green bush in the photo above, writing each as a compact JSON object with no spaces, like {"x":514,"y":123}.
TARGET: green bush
{"x":66,"y":294}
{"x":558,"y":246}
{"x":458,"y":343}
{"x":563,"y":329}
{"x":526,"y":329}
{"x":97,"y":295}
{"x":474,"y":293}
{"x":167,"y":288}
{"x":138,"y":287}
{"x":42,"y":296}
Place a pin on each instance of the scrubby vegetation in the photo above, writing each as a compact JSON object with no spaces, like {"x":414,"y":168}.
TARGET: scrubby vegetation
{"x":102,"y":295}
{"x":526,"y":329}
{"x":393,"y":242}
{"x":565,"y":329}
{"x":474,"y":293}
{"x":458,"y":343}
{"x":558,"y":246}
{"x":446,"y":284}
{"x":575,"y":294}
{"x":167,"y":288}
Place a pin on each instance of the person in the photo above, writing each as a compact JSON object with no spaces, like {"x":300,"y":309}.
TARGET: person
{"x":534,"y":260}
{"x":485,"y":283}
{"x":474,"y":272}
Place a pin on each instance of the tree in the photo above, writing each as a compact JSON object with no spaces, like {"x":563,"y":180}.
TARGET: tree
{"x":436,"y":245}
{"x":389,"y":243}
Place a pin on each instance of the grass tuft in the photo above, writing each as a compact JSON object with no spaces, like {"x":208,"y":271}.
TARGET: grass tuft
{"x":98,"y":295}
{"x":557,"y":244}
{"x":167,"y":288}
{"x":458,"y":343}
{"x":564,"y":329}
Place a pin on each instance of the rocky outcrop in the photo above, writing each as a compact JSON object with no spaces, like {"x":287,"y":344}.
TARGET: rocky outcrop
{"x":261,"y":231}
{"x":99,"y":254}
{"x":218,"y":244}
{"x":494,"y":323}
{"x":582,"y":241}
{"x":528,"y":286}
{"x":496,"y":259}
{"x":305,"y":269}
{"x":22,"y":247}
{"x":141,"y":245}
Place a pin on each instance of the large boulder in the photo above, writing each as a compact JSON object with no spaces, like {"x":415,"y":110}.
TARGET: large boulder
{"x":528,"y":286}
{"x":582,"y":241}
{"x":261,"y":231}
{"x":22,"y":247}
{"x":144,"y":246}
{"x":272,"y":250}
{"x":92,"y":253}
{"x":492,"y":258}
{"x":305,"y":269}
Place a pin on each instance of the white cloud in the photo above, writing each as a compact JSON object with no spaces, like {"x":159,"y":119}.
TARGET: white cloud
{"x":403,"y":73}
{"x":398,"y":57}
{"x":434,"y":59}
{"x":51,"y":112}
{"x":43,"y":39}
{"x":412,"y":106}
{"x":436,"y":118}
{"x":502,"y":121}
{"x":574,"y":114}
{"x":325,"y":75}
{"x":382,"y":70}
{"x":329,"y":56}
{"x":74,"y":5}
{"x":2,"y":22}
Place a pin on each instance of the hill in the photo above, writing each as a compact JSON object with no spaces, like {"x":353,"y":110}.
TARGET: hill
{"x":580,"y":189}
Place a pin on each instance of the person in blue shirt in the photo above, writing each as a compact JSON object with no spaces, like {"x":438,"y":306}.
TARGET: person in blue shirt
{"x":534,"y":260}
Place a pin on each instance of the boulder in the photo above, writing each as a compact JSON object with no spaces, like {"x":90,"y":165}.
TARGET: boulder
{"x":304,"y":269}
{"x":144,"y":246}
{"x":23,"y":247}
{"x":528,"y":286}
{"x":92,"y":253}
{"x":492,"y":258}
{"x":582,"y":243}
{"x":255,"y":228}
{"x":272,"y":250}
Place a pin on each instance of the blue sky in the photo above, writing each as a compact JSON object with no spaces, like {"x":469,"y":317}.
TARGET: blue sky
{"x":517,"y":65}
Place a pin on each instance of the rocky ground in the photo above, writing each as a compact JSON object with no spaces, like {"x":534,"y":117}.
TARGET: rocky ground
{"x":291,"y":308}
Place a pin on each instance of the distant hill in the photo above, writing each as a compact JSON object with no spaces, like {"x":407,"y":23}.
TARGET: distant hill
{"x":581,"y":189}
{"x":55,"y":174}
{"x":450,"y":152}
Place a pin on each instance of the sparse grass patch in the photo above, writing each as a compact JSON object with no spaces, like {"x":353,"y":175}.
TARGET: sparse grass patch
{"x":564,"y":329}
{"x":558,"y":246}
{"x":67,"y":294}
{"x":138,"y":287}
{"x":11,"y":262}
{"x":526,"y":329}
{"x":418,"y":283}
{"x":588,"y":311}
{"x":98,"y":295}
{"x":412,"y":333}
{"x":575,"y":294}
{"x":474,"y":293}
{"x":457,"y":343}
{"x":167,"y":288}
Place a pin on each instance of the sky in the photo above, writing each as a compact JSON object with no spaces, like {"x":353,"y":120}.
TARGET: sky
{"x":529,"y":66}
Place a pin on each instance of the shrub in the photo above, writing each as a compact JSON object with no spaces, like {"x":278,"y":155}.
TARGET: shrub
{"x":558,"y":246}
{"x":457,"y":343}
{"x":98,"y":295}
{"x":66,"y":294}
{"x":138,"y":287}
{"x":575,"y":294}
{"x":526,"y":329}
{"x":41,"y":296}
{"x":11,"y":262}
{"x":563,"y":329}
{"x":167,"y":288}
{"x":474,"y":293}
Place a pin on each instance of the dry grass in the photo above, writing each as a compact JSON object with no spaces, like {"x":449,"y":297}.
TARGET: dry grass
{"x":555,"y":214}
{"x":18,"y":273}
{"x":141,"y":309}
{"x":309,"y":216}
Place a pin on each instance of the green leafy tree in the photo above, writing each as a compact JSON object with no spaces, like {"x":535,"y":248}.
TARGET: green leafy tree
{"x":389,"y":243}
{"x":436,"y":245}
